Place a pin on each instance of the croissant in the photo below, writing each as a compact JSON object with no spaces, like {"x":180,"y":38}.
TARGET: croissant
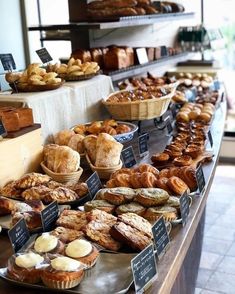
{"x":162,"y":184}
{"x":122,"y":180}
{"x":188,"y":175}
{"x":177,"y":185}
{"x":144,"y":167}
{"x":135,"y":180}
{"x":148,"y":180}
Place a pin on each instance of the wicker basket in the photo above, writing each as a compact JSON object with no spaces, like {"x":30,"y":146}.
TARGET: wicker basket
{"x":63,"y":178}
{"x":104,"y":172}
{"x":139,"y":110}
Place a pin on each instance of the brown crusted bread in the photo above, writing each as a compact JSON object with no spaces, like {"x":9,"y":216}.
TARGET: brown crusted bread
{"x":97,"y":56}
{"x":61,"y":195}
{"x":25,"y":117}
{"x":98,"y":231}
{"x":83,"y":55}
{"x":72,"y":219}
{"x":10,"y":190}
{"x":118,"y":196}
{"x":112,"y":4}
{"x":130,"y":236}
{"x":101,"y":216}
{"x":10,"y":120}
{"x":80,"y":189}
{"x":115,"y":58}
{"x":66,"y":235}
{"x":151,"y":196}
{"x":137,"y":222}
{"x":6,"y":206}
{"x":36,"y":193}
{"x":31,"y":180}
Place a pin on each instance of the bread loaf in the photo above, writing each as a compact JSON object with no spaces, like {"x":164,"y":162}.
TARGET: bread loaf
{"x":83,"y":55}
{"x":25,"y":117}
{"x":115,"y":58}
{"x":112,"y":4}
{"x":10,"y":120}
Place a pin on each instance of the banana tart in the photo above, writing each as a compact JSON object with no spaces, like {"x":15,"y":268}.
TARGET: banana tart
{"x":118,"y":196}
{"x":154,"y":213}
{"x":151,"y":196}
{"x":133,"y":207}
{"x":99,"y":204}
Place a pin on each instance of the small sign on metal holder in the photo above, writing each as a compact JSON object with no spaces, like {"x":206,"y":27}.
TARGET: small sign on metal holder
{"x":44,"y":55}
{"x":161,"y":237}
{"x":93,"y":184}
{"x":128,"y":157}
{"x":143,"y":144}
{"x":19,"y":235}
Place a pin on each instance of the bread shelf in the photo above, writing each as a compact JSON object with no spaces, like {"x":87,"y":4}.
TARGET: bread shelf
{"x":126,"y":21}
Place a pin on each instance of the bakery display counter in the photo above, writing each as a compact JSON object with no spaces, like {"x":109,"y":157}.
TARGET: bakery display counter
{"x":177,"y":270}
{"x":73,"y":103}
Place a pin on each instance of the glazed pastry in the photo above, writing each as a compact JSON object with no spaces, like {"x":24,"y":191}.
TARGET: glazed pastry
{"x":80,"y":189}
{"x":148,"y":180}
{"x":154,"y":213}
{"x":6,"y":206}
{"x":109,"y":130}
{"x":53,"y":185}
{"x":82,"y":251}
{"x":177,"y":185}
{"x":174,"y":171}
{"x":80,"y":129}
{"x":94,"y":128}
{"x":61,"y":195}
{"x":193,"y":151}
{"x":47,"y":243}
{"x":184,"y":160}
{"x":122,"y":128}
{"x":32,"y":218}
{"x":162,"y":184}
{"x":66,"y":235}
{"x":127,"y":171}
{"x":144,"y":167}
{"x":111,"y":183}
{"x":160,"y":158}
{"x":151,"y":196}
{"x":133,"y":207}
{"x":25,"y":267}
{"x":72,"y":219}
{"x":122,"y":180}
{"x":135,"y":180}
{"x":118,"y":196}
{"x":63,"y":273}
{"x":188,"y":175}
{"x":164,"y":173}
{"x":36,"y":193}
{"x":31,"y":180}
{"x":99,"y":204}
{"x":10,"y":190}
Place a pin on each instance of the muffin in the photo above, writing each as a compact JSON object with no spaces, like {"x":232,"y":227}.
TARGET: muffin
{"x":130,"y":207}
{"x":47,"y":243}
{"x":63,"y":273}
{"x":82,"y":251}
{"x":25,"y":267}
{"x":154,"y":213}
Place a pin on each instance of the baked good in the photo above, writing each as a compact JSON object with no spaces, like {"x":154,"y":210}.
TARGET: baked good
{"x":10,"y":190}
{"x":162,"y":184}
{"x":122,"y":180}
{"x":118,"y":196}
{"x":82,"y":251}
{"x":193,"y":151}
{"x":61,"y":195}
{"x":66,"y":235}
{"x":61,"y":159}
{"x":135,"y":180}
{"x":83,"y":55}
{"x":145,"y":167}
{"x":160,"y":158}
{"x":76,"y":143}
{"x":137,"y":222}
{"x":36,"y":193}
{"x":10,"y":119}
{"x":36,"y":205}
{"x":72,"y":219}
{"x":114,"y":4}
{"x":177,"y":185}
{"x":25,"y":267}
{"x":115,"y":58}
{"x":6,"y":206}
{"x":111,"y":183}
{"x":63,"y":137}
{"x":99,"y":204}
{"x":151,"y":196}
{"x":147,"y":180}
{"x":124,"y":170}
{"x":101,"y":216}
{"x":94,"y":128}
{"x":25,"y":117}
{"x":32,"y":218}
{"x":30,"y":180}
{"x":174,"y":201}
{"x":188,"y":175}
{"x":154,"y":213}
{"x":122,"y":128}
{"x":90,"y":147}
{"x":63,"y":273}
{"x":47,"y":243}
{"x":184,"y":160}
{"x":164,"y":173}
{"x":80,"y":189}
{"x":129,"y":235}
{"x":97,"y":56}
{"x":108,"y":151}
{"x":133,"y":207}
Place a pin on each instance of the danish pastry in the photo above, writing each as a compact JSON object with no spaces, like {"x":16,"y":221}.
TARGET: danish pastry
{"x":151,"y":196}
{"x":177,"y":185}
{"x":148,"y":180}
{"x":184,"y":160}
{"x":144,"y":167}
{"x":135,"y":180}
{"x":154,"y":213}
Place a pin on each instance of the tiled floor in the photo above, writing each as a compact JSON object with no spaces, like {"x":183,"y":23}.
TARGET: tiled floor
{"x":217,"y":266}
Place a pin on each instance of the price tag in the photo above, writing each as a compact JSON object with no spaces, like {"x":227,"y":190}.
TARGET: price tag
{"x":161,"y":237}
{"x":142,"y":55}
{"x":94,"y":184}
{"x":3,"y":131}
{"x":184,"y":208}
{"x":143,"y":144}
{"x":44,"y":55}
{"x":165,"y":116}
{"x":8,"y":62}
{"x":143,"y":268}
{"x":169,"y":126}
{"x":210,"y":138}
{"x":128,"y":157}
{"x":19,"y":235}
{"x":173,"y":110}
{"x":49,"y":216}
{"x":200,"y":178}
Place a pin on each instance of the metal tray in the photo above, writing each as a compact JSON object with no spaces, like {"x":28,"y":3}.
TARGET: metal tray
{"x":111,"y":274}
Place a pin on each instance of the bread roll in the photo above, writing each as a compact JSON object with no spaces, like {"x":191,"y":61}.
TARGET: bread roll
{"x":76,"y":143}
{"x":63,"y":137}
{"x":108,"y":151}
{"x":90,"y":147}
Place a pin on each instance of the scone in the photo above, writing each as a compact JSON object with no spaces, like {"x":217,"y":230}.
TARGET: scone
{"x":99,"y":204}
{"x":154,"y":213}
{"x":47,"y":243}
{"x":133,"y":207}
{"x":151,"y":196}
{"x":25,"y":267}
{"x":118,"y":196}
{"x":63,"y":273}
{"x":82,"y":251}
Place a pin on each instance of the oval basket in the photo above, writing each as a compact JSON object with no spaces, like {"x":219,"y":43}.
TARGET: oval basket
{"x":63,"y":178}
{"x":103,"y":172}
{"x":17,"y":87}
{"x":138,"y":110}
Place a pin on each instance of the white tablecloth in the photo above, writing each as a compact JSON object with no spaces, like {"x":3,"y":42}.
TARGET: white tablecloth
{"x":75,"y":102}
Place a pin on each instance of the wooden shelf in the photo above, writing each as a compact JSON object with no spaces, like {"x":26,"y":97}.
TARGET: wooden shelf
{"x":126,"y":21}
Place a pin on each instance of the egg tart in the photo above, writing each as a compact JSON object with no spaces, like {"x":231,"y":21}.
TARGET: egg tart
{"x":154,"y":213}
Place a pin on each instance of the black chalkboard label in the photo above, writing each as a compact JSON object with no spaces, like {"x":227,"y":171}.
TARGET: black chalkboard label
{"x":49,"y":216}
{"x":184,"y":207}
{"x":94,"y":184}
{"x":173,"y":110}
{"x":200,"y":178}
{"x":209,"y":135}
{"x":143,"y":144}
{"x":165,"y":116}
{"x":3,"y":131}
{"x":169,"y":126}
{"x":128,"y":157}
{"x":161,"y":237}
{"x":8,"y":62}
{"x":143,"y":268}
{"x":19,"y":235}
{"x":44,"y":55}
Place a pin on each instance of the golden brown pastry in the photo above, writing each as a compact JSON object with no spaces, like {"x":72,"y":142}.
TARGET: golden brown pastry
{"x":66,"y":235}
{"x":6,"y":206}
{"x":184,"y":160}
{"x":122,"y":180}
{"x":162,"y":184}
{"x":99,"y":204}
{"x":151,"y":196}
{"x":94,"y":128}
{"x":135,"y":180}
{"x":111,"y":183}
{"x":148,"y":180}
{"x":188,"y":175}
{"x":122,"y":128}
{"x":36,"y":193}
{"x":160,"y":158}
{"x":164,"y":173}
{"x":124,"y":170}
{"x":109,"y":130}
{"x":118,"y":196}
{"x":80,"y":189}
{"x":144,"y":167}
{"x":31,"y":180}
{"x":132,"y":207}
{"x":177,"y":185}
{"x":32,"y":218}
{"x":61,"y":195}
{"x":10,"y":190}
{"x":154,"y":213}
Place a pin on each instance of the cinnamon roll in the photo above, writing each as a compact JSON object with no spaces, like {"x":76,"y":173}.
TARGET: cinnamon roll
{"x":177,"y":185}
{"x":148,"y":180}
